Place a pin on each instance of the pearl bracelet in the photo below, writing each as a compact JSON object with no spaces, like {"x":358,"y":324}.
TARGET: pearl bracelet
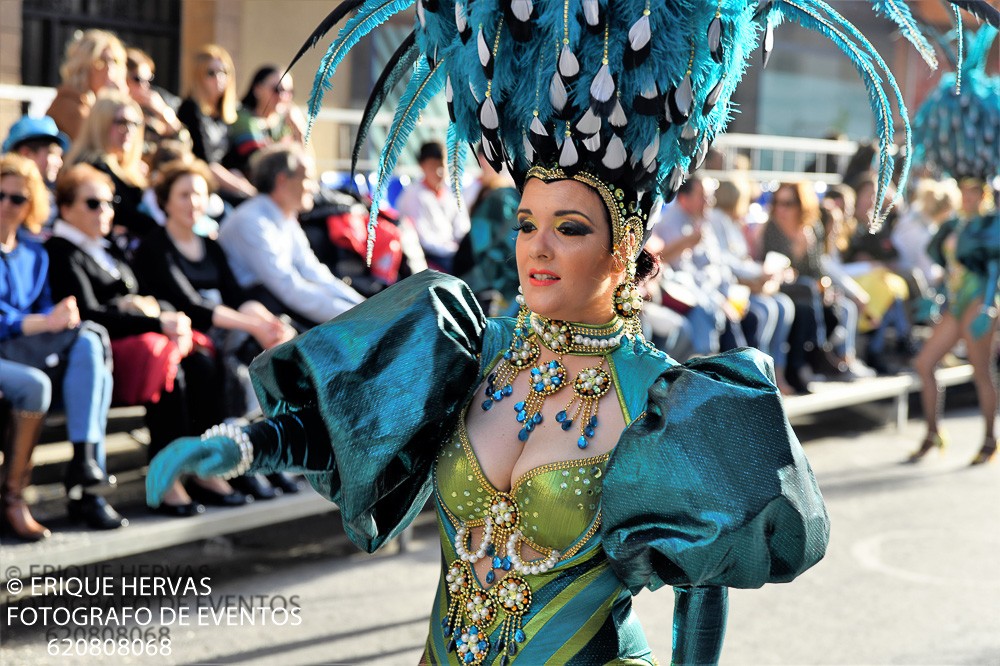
{"x":239,"y":437}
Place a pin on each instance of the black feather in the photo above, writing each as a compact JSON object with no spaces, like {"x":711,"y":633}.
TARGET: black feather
{"x":332,"y":19}
{"x":980,"y":9}
{"x":399,"y":63}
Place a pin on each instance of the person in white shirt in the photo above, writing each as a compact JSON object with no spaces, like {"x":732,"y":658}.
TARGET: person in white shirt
{"x":267,"y":249}
{"x":431,"y":206}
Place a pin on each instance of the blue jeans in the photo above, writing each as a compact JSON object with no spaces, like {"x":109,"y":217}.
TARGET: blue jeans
{"x":27,"y":389}
{"x":706,"y":326}
{"x":86,"y":393}
{"x":774,"y":314}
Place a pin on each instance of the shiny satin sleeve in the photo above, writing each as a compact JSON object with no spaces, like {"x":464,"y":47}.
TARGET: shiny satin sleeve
{"x":710,"y":486}
{"x":699,"y":624}
{"x":363,"y":402}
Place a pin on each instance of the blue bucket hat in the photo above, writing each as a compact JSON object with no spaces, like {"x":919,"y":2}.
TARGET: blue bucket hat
{"x":28,"y":128}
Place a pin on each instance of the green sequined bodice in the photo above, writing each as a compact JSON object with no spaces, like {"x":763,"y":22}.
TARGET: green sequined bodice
{"x":558,"y":501}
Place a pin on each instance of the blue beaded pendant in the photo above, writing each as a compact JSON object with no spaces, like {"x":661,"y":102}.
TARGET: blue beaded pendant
{"x":561,"y":416}
{"x":582,"y":442}
{"x":487,"y":405}
{"x":566,"y":425}
{"x":490,"y":577}
{"x":519,"y":636}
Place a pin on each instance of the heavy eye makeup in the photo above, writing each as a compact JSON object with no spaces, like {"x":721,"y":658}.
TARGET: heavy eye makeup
{"x":567,"y":227}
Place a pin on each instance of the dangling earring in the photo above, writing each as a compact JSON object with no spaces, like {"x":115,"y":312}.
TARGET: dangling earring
{"x":628,"y":300}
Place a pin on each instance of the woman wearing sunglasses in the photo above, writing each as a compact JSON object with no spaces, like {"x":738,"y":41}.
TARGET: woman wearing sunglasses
{"x":46,"y":335}
{"x":208,"y":111}
{"x":111,"y":141}
{"x":267,"y":115}
{"x":159,"y":362}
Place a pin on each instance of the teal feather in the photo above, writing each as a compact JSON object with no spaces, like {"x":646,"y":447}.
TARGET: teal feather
{"x":372,"y":14}
{"x":979,"y":48}
{"x":456,"y":161}
{"x":959,"y":49}
{"x":426,"y":83}
{"x":899,"y":13}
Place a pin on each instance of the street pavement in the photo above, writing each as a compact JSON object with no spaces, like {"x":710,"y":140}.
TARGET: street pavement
{"x":912,"y":576}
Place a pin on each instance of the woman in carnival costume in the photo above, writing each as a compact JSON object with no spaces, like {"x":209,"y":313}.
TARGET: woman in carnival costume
{"x":956,"y":135}
{"x":571,"y":463}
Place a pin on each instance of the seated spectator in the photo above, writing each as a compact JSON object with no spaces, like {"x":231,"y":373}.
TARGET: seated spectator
{"x":208,"y":111}
{"x":111,"y":141}
{"x":431,"y":206}
{"x":94,"y":62}
{"x":825,"y":318}
{"x":190,"y":272}
{"x":159,"y":362}
{"x":693,"y":254}
{"x":160,"y":118}
{"x":267,"y":249}
{"x":267,"y":115}
{"x":34,"y":331}
{"x":40,"y":141}
{"x":28,"y":390}
{"x":934,"y":203}
{"x":171,"y":150}
{"x":774,"y":311}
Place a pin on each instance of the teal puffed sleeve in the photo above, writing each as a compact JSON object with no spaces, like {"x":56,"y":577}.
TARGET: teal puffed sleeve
{"x":362,"y":403}
{"x":711,"y":487}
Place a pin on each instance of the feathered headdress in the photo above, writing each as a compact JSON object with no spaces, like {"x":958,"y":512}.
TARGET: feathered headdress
{"x":628,"y":94}
{"x":956,"y":129}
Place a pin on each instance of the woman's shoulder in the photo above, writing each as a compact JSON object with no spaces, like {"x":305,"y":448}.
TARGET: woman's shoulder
{"x":57,"y":245}
{"x":711,"y":487}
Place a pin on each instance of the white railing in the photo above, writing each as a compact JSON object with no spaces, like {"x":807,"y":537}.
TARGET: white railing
{"x":771,"y":158}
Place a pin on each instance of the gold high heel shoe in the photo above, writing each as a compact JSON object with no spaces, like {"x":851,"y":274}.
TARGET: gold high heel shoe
{"x":935,"y":440}
{"x":987,"y":453}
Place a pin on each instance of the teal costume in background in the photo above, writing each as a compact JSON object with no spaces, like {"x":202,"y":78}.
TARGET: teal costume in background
{"x":970,"y":253}
{"x":706,"y":489}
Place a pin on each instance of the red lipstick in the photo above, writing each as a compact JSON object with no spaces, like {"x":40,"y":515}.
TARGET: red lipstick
{"x":542,"y":278}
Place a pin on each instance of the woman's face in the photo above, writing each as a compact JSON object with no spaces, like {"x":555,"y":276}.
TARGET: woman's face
{"x":564,"y":260}
{"x":972,"y":198}
{"x":140,"y":82}
{"x":188,"y":200}
{"x":107,"y":72}
{"x":215,"y":80}
{"x":786,"y":208}
{"x":273,"y":94}
{"x":14,"y":207}
{"x":91,"y":211}
{"x":124,"y":131}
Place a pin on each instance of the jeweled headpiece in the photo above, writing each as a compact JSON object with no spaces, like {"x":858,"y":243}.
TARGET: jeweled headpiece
{"x":632,"y":93}
{"x":956,"y":131}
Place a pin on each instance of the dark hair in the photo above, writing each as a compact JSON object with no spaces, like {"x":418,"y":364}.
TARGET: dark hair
{"x":688,"y":185}
{"x":250,"y":100}
{"x":432,"y":150}
{"x":647,"y":265}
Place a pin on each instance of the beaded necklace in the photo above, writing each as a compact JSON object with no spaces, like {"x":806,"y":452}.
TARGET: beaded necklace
{"x":533,"y":331}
